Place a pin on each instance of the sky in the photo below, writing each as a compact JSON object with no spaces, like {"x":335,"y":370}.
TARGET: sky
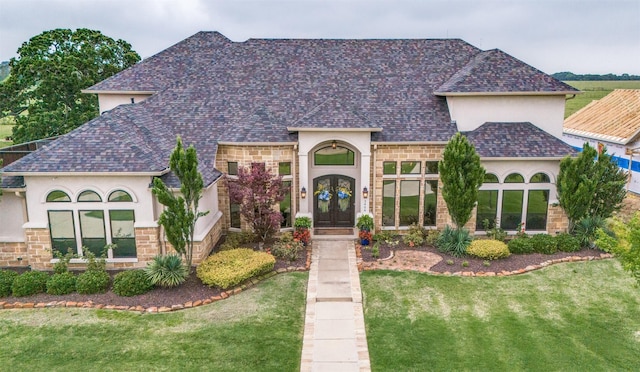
{"x":581,"y":36}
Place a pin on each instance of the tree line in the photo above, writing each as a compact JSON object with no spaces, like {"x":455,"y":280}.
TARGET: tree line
{"x":592,"y":77}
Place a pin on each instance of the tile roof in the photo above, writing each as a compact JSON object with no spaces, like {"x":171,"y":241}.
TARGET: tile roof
{"x":12,"y":182}
{"x":516,"y":140}
{"x":212,"y":90}
{"x":614,"y":118}
{"x":495,"y":71}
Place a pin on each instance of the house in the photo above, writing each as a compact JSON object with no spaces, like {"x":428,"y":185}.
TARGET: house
{"x":612,"y":122}
{"x":369,"y":118}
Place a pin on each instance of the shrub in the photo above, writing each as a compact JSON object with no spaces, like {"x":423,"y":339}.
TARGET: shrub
{"x":375,"y":251}
{"x":365,"y":222}
{"x":493,"y":230}
{"x":415,"y":235}
{"x":287,"y":248}
{"x":61,"y":283}
{"x":432,"y":237}
{"x":520,"y":245}
{"x":302,"y":222}
{"x":544,"y":243}
{"x":92,"y":281}
{"x":93,"y":263}
{"x":230,"y":268}
{"x":488,"y":249}
{"x":454,"y":241}
{"x":567,"y":243}
{"x":131,"y":283}
{"x":235,"y":240}
{"x":167,"y":271}
{"x":6,"y":281}
{"x":62,"y":266}
{"x":302,"y":235}
{"x":29,"y":283}
{"x":585,"y":230}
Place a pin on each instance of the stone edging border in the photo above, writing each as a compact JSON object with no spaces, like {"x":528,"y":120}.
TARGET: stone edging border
{"x":362,"y":267}
{"x":158,"y":309}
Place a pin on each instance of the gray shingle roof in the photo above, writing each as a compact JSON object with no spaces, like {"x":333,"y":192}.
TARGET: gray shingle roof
{"x":213,"y":90}
{"x":496,"y":71}
{"x":516,"y":140}
{"x":12,"y":182}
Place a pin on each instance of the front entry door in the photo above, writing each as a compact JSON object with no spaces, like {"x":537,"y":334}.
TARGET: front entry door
{"x":333,"y":201}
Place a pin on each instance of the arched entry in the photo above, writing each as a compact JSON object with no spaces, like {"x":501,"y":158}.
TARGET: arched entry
{"x":333,"y":201}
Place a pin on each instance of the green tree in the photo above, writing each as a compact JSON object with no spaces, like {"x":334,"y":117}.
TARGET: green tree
{"x":623,"y":240}
{"x":43,"y":91}
{"x":181,"y":212}
{"x":462,"y":174}
{"x":590,"y":185}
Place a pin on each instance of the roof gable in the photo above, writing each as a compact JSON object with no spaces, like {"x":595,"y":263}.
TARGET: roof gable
{"x":614,"y":118}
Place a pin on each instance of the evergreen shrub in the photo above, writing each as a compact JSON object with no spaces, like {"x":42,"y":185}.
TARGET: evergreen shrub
{"x":131,"y":283}
{"x":520,"y":245}
{"x":61,"y":283}
{"x":544,"y":243}
{"x":29,"y":283}
{"x":6,"y":281}
{"x":567,"y":243}
{"x":167,"y":271}
{"x":488,"y":249}
{"x":230,"y":268}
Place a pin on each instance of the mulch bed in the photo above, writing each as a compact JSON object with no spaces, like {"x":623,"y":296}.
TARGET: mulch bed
{"x":192,"y":291}
{"x":452,"y":264}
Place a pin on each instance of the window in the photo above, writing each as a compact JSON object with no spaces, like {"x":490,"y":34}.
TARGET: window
{"x":409,"y":202}
{"x":58,"y":196}
{"x":410,"y":167}
{"x":232,"y":168}
{"x":537,"y":205}
{"x":511,"y":209}
{"x":120,"y":196}
{"x":123,"y":233}
{"x":63,"y":236}
{"x":514,"y":178}
{"x":334,"y":156}
{"x":490,"y":178}
{"x":235,"y":215}
{"x":430,"y":202}
{"x":389,"y":203}
{"x":389,"y":167}
{"x":89,"y":196}
{"x":92,"y":231}
{"x":487,"y":208}
{"x":284,"y":169}
{"x":285,"y":206}
{"x":431,"y":167}
{"x":540,"y":178}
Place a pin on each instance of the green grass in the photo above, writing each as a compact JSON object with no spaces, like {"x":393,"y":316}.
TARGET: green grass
{"x":5,"y":131}
{"x":259,"y":329}
{"x":594,"y":90}
{"x":568,"y":317}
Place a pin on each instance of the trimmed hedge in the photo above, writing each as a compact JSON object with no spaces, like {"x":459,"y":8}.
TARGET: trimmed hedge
{"x":92,"y":281}
{"x":567,"y":243}
{"x":131,"y":283}
{"x":520,"y":245}
{"x":489,"y":249}
{"x":544,"y":243}
{"x":230,"y":268}
{"x":29,"y":283}
{"x":61,"y":283}
{"x":6,"y":281}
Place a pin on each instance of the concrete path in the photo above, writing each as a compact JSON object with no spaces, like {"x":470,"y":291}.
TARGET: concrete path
{"x":334,"y":334}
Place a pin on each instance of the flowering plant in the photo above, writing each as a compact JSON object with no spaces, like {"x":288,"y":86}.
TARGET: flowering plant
{"x":323,"y":197}
{"x":365,"y":235}
{"x":343,"y":192}
{"x":302,"y":235}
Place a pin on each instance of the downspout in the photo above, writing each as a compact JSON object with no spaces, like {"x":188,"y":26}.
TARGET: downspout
{"x":294,"y":185}
{"x":372,"y":192}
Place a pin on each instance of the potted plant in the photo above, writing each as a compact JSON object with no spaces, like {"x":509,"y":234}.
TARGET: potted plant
{"x":365,"y":222}
{"x":302,"y":226}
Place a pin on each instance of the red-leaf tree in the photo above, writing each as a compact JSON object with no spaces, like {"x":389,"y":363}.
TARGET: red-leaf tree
{"x":257,"y":191}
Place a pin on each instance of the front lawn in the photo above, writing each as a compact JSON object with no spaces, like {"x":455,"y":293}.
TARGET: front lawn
{"x":567,"y":317}
{"x":258,"y":329}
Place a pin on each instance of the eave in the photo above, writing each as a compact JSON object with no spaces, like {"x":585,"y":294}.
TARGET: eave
{"x":472,"y":94}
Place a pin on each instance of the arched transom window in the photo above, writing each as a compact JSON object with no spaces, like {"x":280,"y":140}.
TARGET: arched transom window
{"x":331,"y":155}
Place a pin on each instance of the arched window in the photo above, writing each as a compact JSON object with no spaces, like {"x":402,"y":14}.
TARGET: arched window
{"x":57,"y":196}
{"x":514,"y":178}
{"x":490,"y":178}
{"x":120,"y":196}
{"x":89,"y":196}
{"x":334,"y":156}
{"x":540,"y":178}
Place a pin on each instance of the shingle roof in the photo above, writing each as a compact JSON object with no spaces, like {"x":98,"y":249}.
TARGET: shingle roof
{"x":211,"y":90}
{"x":495,"y":71}
{"x":516,"y":140}
{"x":12,"y":182}
{"x":614,"y":118}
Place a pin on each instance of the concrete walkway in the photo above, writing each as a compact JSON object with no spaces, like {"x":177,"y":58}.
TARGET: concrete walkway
{"x":334,"y":333}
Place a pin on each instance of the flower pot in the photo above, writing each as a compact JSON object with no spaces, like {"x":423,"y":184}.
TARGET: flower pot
{"x":364,"y":242}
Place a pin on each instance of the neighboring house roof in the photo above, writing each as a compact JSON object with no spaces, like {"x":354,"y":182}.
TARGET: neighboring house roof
{"x":494,"y":71}
{"x":211,"y":90}
{"x":12,"y":182}
{"x":516,"y":140}
{"x":614,"y":118}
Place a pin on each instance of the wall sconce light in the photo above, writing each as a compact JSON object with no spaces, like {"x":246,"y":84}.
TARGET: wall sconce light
{"x":334,"y":144}
{"x":365,"y":192}
{"x":303,"y":193}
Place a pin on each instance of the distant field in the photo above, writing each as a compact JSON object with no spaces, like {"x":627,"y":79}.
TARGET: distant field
{"x":594,"y":90}
{"x":5,"y":131}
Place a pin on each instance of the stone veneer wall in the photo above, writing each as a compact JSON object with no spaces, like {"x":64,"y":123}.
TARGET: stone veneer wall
{"x":399,"y":153}
{"x":245,"y":155}
{"x":10,"y":252}
{"x":557,"y":220}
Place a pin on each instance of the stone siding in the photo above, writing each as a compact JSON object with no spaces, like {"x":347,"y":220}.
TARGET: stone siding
{"x":13,"y":254}
{"x":557,"y":220}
